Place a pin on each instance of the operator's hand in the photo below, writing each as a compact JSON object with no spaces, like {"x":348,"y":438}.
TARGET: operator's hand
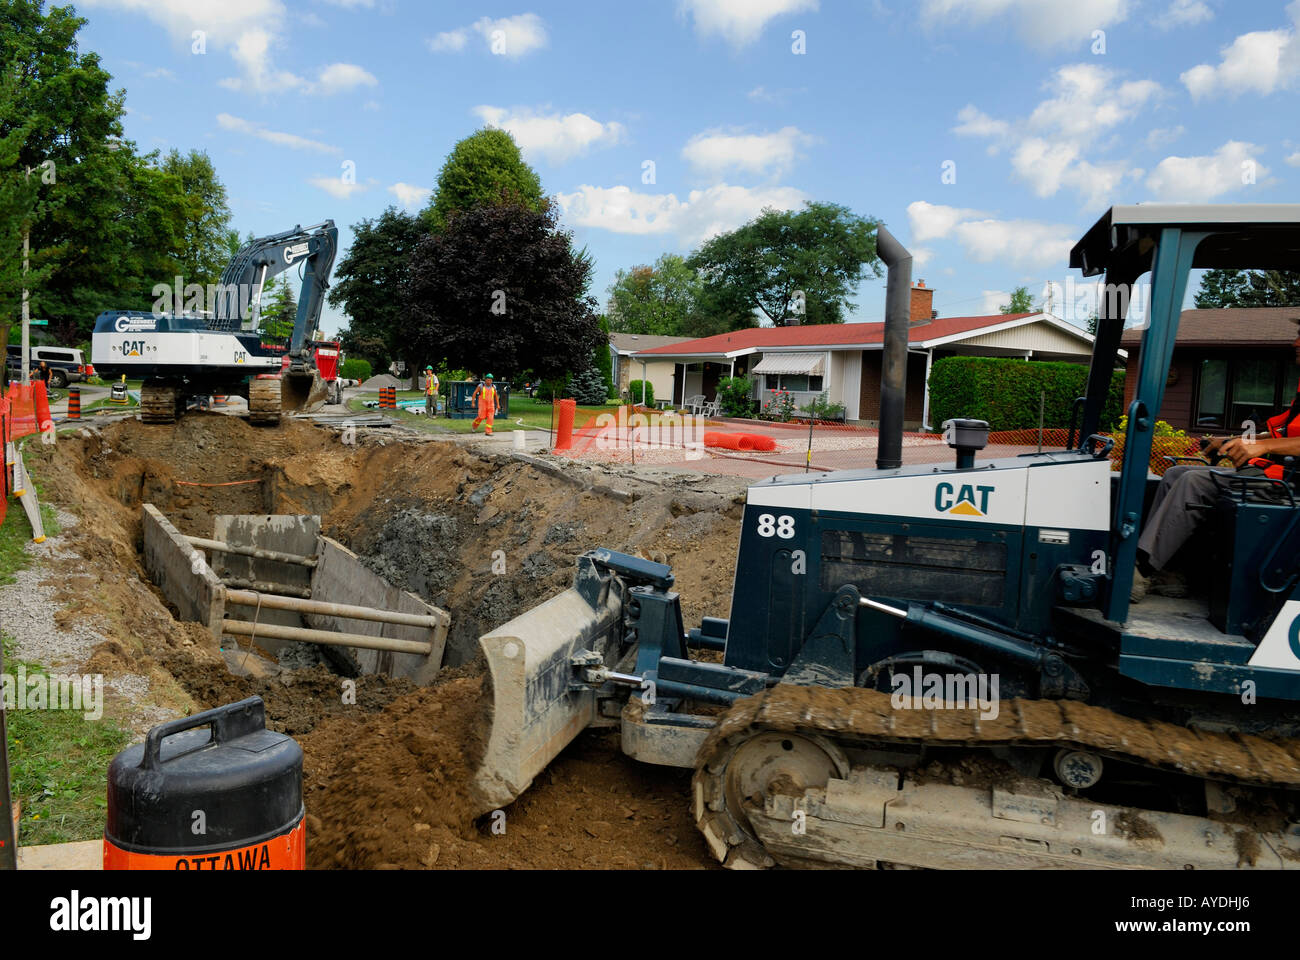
{"x":1212,"y":446}
{"x":1241,"y":452}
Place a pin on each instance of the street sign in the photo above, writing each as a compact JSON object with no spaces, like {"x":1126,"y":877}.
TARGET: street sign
{"x":38,"y":323}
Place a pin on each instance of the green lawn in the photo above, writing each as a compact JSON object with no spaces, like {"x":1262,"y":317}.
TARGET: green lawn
{"x":58,"y":759}
{"x":524,"y":414}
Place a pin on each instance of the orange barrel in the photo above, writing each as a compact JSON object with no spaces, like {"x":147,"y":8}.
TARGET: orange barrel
{"x":224,"y":798}
{"x":564,"y":428}
{"x":218,"y":399}
{"x":74,"y":403}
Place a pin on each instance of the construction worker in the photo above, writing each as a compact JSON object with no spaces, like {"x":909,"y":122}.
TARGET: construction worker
{"x":489,"y":404}
{"x":430,"y":392}
{"x":1178,"y":508}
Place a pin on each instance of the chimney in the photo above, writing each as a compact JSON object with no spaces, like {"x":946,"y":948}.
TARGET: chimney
{"x":922,"y":304}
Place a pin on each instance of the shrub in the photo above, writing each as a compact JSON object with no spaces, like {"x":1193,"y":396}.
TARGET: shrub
{"x":820,"y":408}
{"x":634,"y":392}
{"x":779,"y":406}
{"x":735,"y":394}
{"x":589,"y":388}
{"x":1006,"y":392}
{"x":355,"y":368}
{"x":554,"y":389}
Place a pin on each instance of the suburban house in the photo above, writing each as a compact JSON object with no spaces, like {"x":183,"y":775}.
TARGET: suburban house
{"x":843,"y":360}
{"x":1229,"y":366}
{"x":622,"y":347}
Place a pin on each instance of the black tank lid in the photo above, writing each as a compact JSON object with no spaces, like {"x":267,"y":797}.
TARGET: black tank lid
{"x":246,"y":780}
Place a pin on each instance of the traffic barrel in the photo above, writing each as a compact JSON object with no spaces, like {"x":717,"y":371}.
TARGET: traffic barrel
{"x":74,"y":403}
{"x":564,"y":426}
{"x":193,"y":799}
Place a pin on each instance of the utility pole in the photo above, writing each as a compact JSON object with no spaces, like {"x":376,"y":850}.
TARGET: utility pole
{"x":27,"y":332}
{"x":8,"y":836}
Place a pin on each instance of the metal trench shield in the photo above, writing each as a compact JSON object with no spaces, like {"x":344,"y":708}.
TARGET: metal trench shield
{"x":537,"y":707}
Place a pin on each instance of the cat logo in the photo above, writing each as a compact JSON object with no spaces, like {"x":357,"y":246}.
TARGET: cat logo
{"x":240,"y":356}
{"x":132,"y":348}
{"x":969,"y":501}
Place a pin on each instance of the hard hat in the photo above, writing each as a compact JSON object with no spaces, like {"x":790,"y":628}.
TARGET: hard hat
{"x":488,"y":377}
{"x":430,"y":369}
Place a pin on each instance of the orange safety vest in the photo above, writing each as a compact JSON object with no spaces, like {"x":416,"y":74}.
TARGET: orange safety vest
{"x":1285,"y":424}
{"x":487,"y":396}
{"x":431,"y":385}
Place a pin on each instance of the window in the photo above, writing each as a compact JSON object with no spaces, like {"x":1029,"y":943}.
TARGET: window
{"x":1214,"y":390}
{"x":795,"y":383}
{"x":1236,"y":389}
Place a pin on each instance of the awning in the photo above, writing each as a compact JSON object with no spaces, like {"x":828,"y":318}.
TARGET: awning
{"x":796,"y":363}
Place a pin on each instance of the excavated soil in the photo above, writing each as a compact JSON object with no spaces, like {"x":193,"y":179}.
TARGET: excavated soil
{"x":386,"y":777}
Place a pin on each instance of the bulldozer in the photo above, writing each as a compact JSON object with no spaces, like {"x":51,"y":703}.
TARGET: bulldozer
{"x":181,"y":356}
{"x":940,"y":666}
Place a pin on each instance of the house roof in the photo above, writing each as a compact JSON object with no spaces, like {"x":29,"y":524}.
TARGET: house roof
{"x":633,"y":342}
{"x":1231,"y":327}
{"x":831,"y":336}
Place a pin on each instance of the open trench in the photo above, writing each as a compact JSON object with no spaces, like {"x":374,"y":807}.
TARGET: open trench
{"x":386,"y":778}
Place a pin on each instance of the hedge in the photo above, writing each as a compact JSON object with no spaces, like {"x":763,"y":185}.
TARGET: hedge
{"x":355,"y":368}
{"x":634,"y":392}
{"x":1006,"y":392}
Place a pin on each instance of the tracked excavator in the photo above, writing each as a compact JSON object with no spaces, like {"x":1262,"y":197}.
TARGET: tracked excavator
{"x":181,"y":356}
{"x":939,"y":666}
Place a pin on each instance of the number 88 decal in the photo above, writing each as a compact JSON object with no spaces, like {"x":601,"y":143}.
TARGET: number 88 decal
{"x":782,"y":526}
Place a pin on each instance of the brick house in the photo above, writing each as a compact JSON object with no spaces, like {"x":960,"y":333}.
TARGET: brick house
{"x":843,"y":360}
{"x":1229,"y":366}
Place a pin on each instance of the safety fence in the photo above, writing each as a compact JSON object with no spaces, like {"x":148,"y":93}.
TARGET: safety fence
{"x":24,"y":410}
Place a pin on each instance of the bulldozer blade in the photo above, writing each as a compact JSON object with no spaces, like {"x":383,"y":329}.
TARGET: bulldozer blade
{"x":537,"y":708}
{"x":302,"y":392}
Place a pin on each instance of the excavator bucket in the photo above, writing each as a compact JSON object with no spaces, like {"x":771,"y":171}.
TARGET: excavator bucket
{"x":537,"y":707}
{"x":302,"y":392}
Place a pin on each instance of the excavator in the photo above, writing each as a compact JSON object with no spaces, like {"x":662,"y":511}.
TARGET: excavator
{"x":181,"y":356}
{"x":939,"y":666}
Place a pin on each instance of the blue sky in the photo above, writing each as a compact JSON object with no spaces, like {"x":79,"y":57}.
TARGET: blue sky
{"x":988,"y":134}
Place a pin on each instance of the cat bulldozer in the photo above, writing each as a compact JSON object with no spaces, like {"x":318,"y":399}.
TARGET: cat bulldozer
{"x":939,"y":666}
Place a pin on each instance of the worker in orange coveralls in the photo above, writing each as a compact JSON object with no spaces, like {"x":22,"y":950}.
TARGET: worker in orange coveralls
{"x":489,"y":404}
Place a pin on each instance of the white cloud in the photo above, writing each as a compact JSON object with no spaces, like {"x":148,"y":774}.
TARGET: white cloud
{"x":1184,"y":13}
{"x":994,"y":300}
{"x":250,"y":30}
{"x":290,"y":140}
{"x":715,"y":152}
{"x":1261,"y":62}
{"x":338,"y":77}
{"x":1039,"y":22}
{"x":933,"y":221}
{"x":410,"y":196}
{"x":1028,"y":244}
{"x":513,"y":37}
{"x":1199,"y":179}
{"x":452,"y":41}
{"x":337,"y":187}
{"x":1088,"y":101}
{"x":1293,"y":160}
{"x":703,"y":214}
{"x":553,"y":136}
{"x":1047,"y":167}
{"x":740,"y":22}
{"x":977,"y":123}
{"x":921,"y":256}
{"x":1163,"y":135}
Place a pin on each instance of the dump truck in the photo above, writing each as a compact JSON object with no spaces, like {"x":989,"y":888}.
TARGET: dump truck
{"x":939,"y":666}
{"x":181,"y":356}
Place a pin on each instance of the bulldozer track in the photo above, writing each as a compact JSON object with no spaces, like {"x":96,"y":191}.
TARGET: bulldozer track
{"x":856,"y":717}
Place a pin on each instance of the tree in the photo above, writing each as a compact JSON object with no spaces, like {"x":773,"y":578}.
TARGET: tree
{"x":655,"y":301}
{"x":279,"y":309}
{"x":205,"y":238}
{"x":18,"y":209}
{"x":368,"y":285}
{"x":1021,"y":302}
{"x":1249,"y":288}
{"x":793,"y":266}
{"x":501,"y":289}
{"x":604,"y":359}
{"x":486,"y":167}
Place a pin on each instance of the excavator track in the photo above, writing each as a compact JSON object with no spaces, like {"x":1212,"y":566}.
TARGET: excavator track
{"x":160,"y":402}
{"x":775,"y":781}
{"x":264,"y":401}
